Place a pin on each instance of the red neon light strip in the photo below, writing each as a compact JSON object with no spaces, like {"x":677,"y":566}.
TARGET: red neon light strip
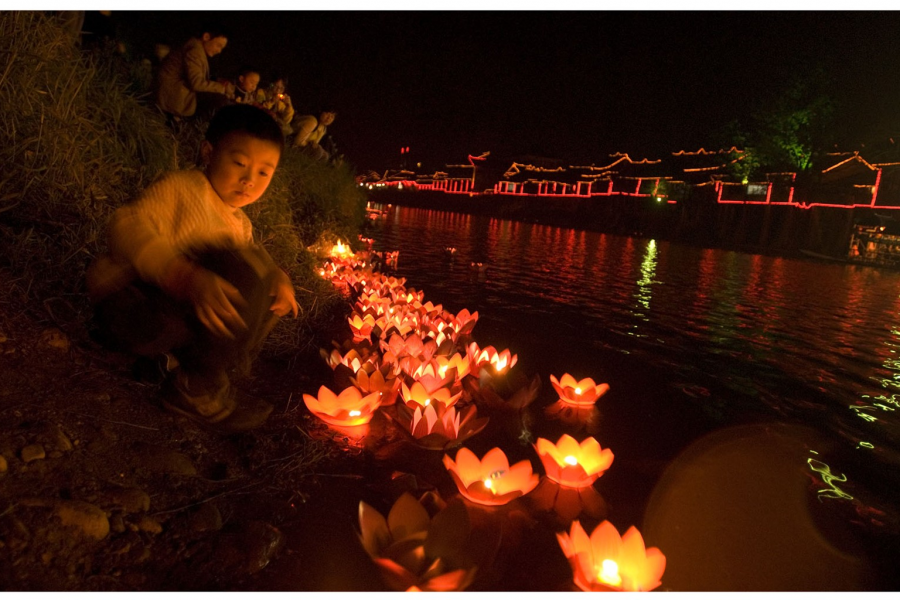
{"x":769,"y":193}
{"x":875,"y":190}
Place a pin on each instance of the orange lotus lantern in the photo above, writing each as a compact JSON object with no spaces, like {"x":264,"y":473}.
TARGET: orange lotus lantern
{"x":353,"y":360}
{"x":433,"y":376}
{"x":399,"y":547}
{"x":491,"y":480}
{"x":361,"y":326}
{"x":380,"y":381}
{"x":579,"y":393}
{"x":488,"y":356}
{"x":457,"y":361}
{"x":606,"y":561}
{"x":572,"y":464}
{"x":418,"y":396}
{"x":341,"y":250}
{"x":348,"y":409}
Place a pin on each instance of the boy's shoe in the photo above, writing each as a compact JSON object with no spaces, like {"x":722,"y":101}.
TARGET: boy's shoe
{"x":214,"y":404}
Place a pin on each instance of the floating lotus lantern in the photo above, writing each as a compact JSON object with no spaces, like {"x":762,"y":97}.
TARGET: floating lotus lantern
{"x":568,"y":503}
{"x":606,"y":561}
{"x":572,"y":464}
{"x":381,"y":381}
{"x":361,"y":326}
{"x":491,"y":480}
{"x":411,"y":345}
{"x":400,"y":547}
{"x":437,"y":428}
{"x":500,"y":362}
{"x":579,"y":393}
{"x":353,"y":360}
{"x":418,"y":396}
{"x":341,"y":250}
{"x":347,"y":409}
{"x":457,"y":361}
{"x":583,"y":417}
{"x":433,"y":376}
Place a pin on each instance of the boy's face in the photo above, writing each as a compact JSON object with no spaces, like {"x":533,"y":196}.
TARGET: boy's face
{"x":249,"y":81}
{"x":240,"y":167}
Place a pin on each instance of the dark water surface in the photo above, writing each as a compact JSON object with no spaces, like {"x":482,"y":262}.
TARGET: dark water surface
{"x":754,"y":403}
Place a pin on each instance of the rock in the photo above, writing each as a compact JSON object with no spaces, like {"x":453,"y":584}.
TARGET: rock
{"x":86,"y":518}
{"x":149,"y":525}
{"x":249,"y":549}
{"x":161,"y":460}
{"x":33,"y":452}
{"x":55,"y":338}
{"x":116,"y":523}
{"x":3,"y":337}
{"x":128,"y":500}
{"x":3,"y":465}
{"x":60,"y":440}
{"x":206,"y":518}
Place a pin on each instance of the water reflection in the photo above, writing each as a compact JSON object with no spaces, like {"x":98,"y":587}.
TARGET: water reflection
{"x":689,"y":339}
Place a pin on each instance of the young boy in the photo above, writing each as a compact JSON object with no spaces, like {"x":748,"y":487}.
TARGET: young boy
{"x":247,"y":82}
{"x":183,"y":278}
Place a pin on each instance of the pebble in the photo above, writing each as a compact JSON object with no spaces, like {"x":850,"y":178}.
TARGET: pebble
{"x":55,"y":338}
{"x":128,"y":500}
{"x":160,"y":460}
{"x":248,"y":550}
{"x":116,"y":523}
{"x":60,"y":440}
{"x":86,"y":518}
{"x":3,"y":465}
{"x":149,"y":525}
{"x":3,"y":337}
{"x":33,"y":452}
{"x":207,"y":518}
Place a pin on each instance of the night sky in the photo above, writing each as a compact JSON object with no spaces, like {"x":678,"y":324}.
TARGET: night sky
{"x":571,"y":85}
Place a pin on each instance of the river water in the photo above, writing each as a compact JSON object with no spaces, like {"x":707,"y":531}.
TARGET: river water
{"x":753,"y":405}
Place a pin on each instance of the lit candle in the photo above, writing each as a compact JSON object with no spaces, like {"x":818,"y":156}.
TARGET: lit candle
{"x":571,"y":460}
{"x":501,"y":364}
{"x":578,"y":391}
{"x":609,"y":573}
{"x":354,"y":413}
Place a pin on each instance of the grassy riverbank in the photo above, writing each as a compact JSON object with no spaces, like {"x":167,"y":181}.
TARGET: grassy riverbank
{"x":99,"y":488}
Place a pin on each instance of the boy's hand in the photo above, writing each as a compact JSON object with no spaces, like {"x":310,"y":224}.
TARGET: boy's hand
{"x":214,"y":301}
{"x":283,"y":292}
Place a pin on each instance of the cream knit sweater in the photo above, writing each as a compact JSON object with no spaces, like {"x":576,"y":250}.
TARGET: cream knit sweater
{"x":178,"y":215}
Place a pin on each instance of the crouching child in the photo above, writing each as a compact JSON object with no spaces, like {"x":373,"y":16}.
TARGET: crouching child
{"x":183,"y":280}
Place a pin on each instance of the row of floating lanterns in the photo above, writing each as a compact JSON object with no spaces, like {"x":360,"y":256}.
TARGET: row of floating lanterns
{"x":411,"y":359}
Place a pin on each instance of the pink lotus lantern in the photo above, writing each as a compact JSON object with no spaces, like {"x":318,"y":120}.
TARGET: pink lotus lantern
{"x":347,"y":409}
{"x":457,"y":361}
{"x":572,"y":464}
{"x":361,"y":326}
{"x":464,"y":321}
{"x":492,"y":480}
{"x":380,"y":381}
{"x":411,"y":345}
{"x":606,"y":561}
{"x":399,"y":547}
{"x":418,"y":396}
{"x":499,"y":361}
{"x":579,"y":393}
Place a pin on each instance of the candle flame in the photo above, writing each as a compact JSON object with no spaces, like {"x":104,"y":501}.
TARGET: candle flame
{"x":443,"y":370}
{"x":501,"y":364}
{"x":578,"y":391}
{"x":571,"y":460}
{"x":488,"y":484}
{"x":609,"y":573}
{"x":354,"y":413}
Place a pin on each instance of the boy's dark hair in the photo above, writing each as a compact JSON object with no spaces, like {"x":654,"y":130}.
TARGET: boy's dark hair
{"x":247,"y":69}
{"x":247,"y":118}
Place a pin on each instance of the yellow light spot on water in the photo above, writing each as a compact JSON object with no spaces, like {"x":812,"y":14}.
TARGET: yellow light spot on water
{"x":570,"y":460}
{"x":609,"y":573}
